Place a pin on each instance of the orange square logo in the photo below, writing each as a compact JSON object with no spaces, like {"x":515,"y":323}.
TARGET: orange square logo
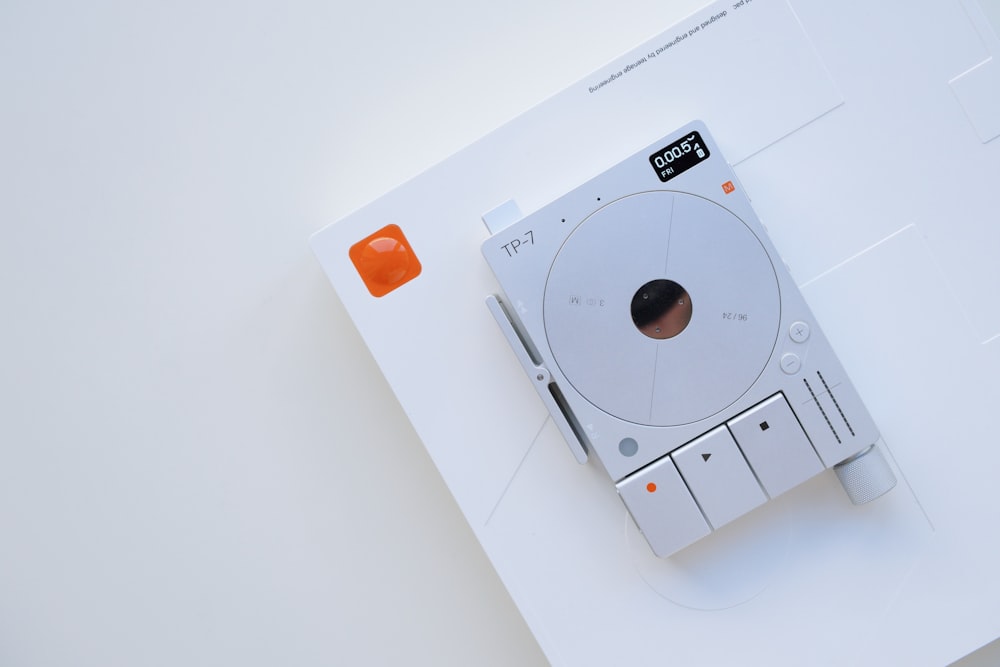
{"x":728,"y":187}
{"x":385,"y":260}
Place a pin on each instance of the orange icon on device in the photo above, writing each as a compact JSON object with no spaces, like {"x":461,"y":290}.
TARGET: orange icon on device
{"x":385,"y":260}
{"x":728,"y":187}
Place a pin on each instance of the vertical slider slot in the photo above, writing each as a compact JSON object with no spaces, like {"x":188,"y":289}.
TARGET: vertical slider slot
{"x":511,"y":326}
{"x":541,"y":379}
{"x":571,"y":421}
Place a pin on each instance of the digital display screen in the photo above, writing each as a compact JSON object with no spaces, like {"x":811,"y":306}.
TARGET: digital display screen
{"x":678,"y":157}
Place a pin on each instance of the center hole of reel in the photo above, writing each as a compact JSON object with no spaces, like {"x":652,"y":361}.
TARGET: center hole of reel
{"x":661,"y":309}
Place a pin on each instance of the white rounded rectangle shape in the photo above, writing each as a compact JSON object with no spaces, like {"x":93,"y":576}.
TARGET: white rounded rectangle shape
{"x":775,"y":445}
{"x":719,"y":477}
{"x":662,"y":507}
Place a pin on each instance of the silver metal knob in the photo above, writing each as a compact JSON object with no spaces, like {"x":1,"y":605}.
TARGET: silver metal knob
{"x":865,"y":476}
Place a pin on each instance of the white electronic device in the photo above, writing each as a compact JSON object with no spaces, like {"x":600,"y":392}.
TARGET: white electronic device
{"x":666,"y":336}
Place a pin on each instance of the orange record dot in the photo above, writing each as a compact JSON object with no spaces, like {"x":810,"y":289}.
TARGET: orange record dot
{"x":651,"y":487}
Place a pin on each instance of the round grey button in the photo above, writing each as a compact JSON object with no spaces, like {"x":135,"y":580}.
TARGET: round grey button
{"x":799,"y":332}
{"x":790,"y":363}
{"x":628,"y":447}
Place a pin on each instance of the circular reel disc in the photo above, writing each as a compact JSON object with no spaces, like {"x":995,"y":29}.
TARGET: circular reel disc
{"x":660,"y":236}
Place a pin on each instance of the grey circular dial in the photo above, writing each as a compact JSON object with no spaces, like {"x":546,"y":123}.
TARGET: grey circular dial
{"x":720,"y":338}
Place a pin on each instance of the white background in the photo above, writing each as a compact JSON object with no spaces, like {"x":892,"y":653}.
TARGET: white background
{"x":200,"y":463}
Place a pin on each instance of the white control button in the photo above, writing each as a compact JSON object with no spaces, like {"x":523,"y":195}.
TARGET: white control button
{"x":790,"y":363}
{"x":799,"y":332}
{"x":719,"y":477}
{"x":662,"y":507}
{"x":775,"y":445}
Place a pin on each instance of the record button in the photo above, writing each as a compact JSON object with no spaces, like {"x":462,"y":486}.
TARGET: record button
{"x":662,"y":507}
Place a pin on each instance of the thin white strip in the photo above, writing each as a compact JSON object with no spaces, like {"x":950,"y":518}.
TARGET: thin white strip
{"x":856,"y":255}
